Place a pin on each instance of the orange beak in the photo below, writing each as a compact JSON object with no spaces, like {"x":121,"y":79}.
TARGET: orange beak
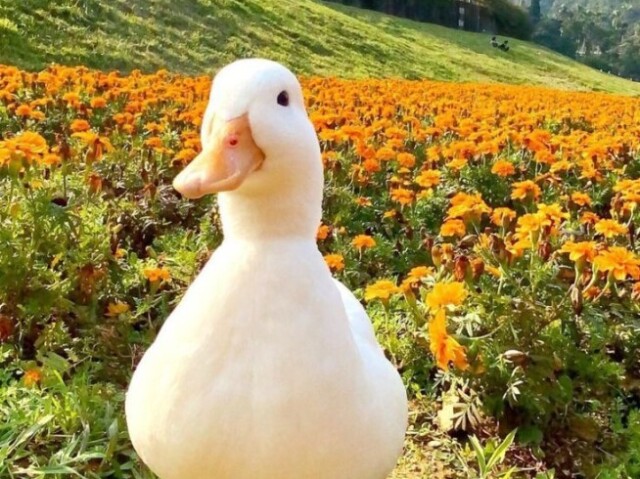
{"x":225,"y":163}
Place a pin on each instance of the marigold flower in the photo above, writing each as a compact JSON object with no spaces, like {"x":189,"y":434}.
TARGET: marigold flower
{"x":98,"y":102}
{"x":446,"y":294}
{"x":584,"y":250}
{"x":402,"y":196}
{"x":453,"y":228}
{"x":619,"y":262}
{"x":32,"y":377}
{"x":589,"y":218}
{"x":581,"y":199}
{"x":79,"y":125}
{"x":334,"y":261}
{"x":382,"y":289}
{"x":428,"y":178}
{"x":525,"y":189}
{"x":117,"y":308}
{"x":23,"y":111}
{"x":155,"y":274}
{"x":323,"y":232}
{"x":503,"y":168}
{"x":502,"y":216}
{"x":611,"y":228}
{"x":406,"y":159}
{"x":445,"y":348}
{"x":363,"y":242}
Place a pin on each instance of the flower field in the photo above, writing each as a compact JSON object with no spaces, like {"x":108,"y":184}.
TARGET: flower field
{"x":491,"y":231}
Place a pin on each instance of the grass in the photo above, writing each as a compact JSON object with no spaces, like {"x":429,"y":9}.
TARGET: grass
{"x":199,"y":36}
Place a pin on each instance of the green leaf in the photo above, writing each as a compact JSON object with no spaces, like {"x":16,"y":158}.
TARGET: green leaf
{"x":509,"y":473}
{"x":482,"y":462}
{"x":530,"y":435}
{"x":30,"y":432}
{"x":498,"y":455}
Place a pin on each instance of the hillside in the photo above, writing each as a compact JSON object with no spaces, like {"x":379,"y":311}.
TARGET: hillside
{"x":197,"y":36}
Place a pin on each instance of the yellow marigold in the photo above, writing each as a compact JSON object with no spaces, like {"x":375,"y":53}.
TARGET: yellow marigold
{"x":446,"y":294}
{"x":51,"y":159}
{"x":611,"y":228}
{"x":552,"y":214}
{"x":582,"y":251}
{"x":525,"y":189}
{"x":445,"y":349}
{"x":493,"y":271}
{"x":117,"y":308}
{"x":529,"y":223}
{"x":501,"y":216}
{"x":618,"y":262}
{"x":581,"y":199}
{"x":503,"y":168}
{"x":428,"y":178}
{"x":467,"y":207}
{"x":185,"y":155}
{"x":453,"y":228}
{"x":363,"y":241}
{"x":98,"y":144}
{"x":334,"y":261}
{"x":382,"y":289}
{"x":415,"y":276}
{"x":155,"y":274}
{"x":457,"y":163}
{"x":420,"y":272}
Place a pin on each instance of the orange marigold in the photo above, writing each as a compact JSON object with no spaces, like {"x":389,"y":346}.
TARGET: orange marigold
{"x":363,"y":242}
{"x":334,"y":261}
{"x":525,"y":189}
{"x":453,"y":228}
{"x":503,"y":168}
{"x":445,"y":348}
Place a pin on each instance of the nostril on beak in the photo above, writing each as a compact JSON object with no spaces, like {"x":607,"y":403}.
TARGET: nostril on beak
{"x":232,"y":140}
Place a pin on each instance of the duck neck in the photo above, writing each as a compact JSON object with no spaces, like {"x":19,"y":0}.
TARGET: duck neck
{"x":293,"y":212}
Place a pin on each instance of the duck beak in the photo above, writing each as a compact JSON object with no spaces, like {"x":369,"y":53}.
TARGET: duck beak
{"x":225,"y":162}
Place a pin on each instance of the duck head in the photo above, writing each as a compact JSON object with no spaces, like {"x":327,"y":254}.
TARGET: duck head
{"x":260,"y":153}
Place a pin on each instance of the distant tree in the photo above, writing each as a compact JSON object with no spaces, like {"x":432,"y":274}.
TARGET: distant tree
{"x":549,"y":33}
{"x":510,"y":19}
{"x":535,"y":11}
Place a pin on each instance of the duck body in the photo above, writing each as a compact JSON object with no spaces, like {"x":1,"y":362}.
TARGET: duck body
{"x":268,"y":368}
{"x":271,"y":389}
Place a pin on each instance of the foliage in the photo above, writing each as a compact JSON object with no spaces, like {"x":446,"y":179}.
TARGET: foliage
{"x":603,"y":35}
{"x":490,"y":457}
{"x":490,"y":230}
{"x":510,"y":20}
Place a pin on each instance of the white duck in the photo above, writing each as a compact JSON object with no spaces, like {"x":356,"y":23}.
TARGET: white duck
{"x":268,"y":368}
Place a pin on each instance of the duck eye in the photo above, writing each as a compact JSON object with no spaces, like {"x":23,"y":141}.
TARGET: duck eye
{"x":283,"y":98}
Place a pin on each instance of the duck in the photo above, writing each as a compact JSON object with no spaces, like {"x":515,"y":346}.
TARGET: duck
{"x":268,"y":367}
